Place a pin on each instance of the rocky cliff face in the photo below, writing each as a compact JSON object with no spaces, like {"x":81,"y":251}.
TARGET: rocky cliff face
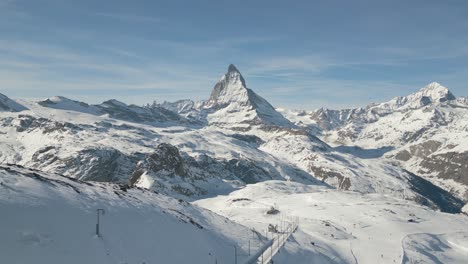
{"x":164,"y":162}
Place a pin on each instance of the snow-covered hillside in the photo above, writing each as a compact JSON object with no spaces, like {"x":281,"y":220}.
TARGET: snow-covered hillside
{"x":425,"y":132}
{"x":347,"y":227}
{"x":48,"y":218}
{"x":100,"y":148}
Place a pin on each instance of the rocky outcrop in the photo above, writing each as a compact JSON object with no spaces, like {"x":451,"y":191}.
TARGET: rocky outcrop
{"x":164,"y":162}
{"x":102,"y":164}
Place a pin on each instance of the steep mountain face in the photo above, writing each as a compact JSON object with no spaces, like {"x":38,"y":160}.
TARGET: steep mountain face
{"x":233,"y":105}
{"x":424,"y":131}
{"x":6,"y":104}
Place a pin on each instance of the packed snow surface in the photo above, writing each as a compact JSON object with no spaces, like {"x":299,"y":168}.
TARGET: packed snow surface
{"x":50,"y":219}
{"x":347,"y":227}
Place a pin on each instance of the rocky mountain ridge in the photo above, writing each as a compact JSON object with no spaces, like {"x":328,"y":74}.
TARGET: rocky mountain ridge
{"x":424,"y":132}
{"x":191,"y":150}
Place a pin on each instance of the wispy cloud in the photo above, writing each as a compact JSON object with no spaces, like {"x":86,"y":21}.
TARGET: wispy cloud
{"x":34,"y":68}
{"x":49,"y":69}
{"x":129,"y":17}
{"x":290,"y":64}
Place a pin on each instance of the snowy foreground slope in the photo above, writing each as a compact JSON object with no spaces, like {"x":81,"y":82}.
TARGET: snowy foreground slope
{"x":347,"y":227}
{"x":50,"y":219}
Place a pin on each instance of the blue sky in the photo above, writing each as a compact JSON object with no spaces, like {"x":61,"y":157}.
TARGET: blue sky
{"x":296,"y":54}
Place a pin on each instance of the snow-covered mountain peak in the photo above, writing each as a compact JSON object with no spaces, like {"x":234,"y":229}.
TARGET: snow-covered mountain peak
{"x":234,"y":103}
{"x":431,"y":93}
{"x":231,"y":87}
{"x":435,"y":92}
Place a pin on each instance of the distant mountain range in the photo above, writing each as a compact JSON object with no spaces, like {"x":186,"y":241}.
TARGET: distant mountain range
{"x":412,"y":147}
{"x":424,"y":132}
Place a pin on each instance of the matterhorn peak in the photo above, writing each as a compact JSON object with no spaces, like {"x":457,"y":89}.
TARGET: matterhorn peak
{"x":233,"y":102}
{"x":234,"y":75}
{"x":232,"y":68}
{"x":230,"y":86}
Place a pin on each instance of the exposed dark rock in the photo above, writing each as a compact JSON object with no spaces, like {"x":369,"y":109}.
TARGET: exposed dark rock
{"x":403,"y":155}
{"x":425,"y":149}
{"x":27,"y":122}
{"x":99,"y":164}
{"x":251,"y":139}
{"x":165,"y":161}
{"x":344,"y":183}
{"x":167,"y":157}
{"x":235,"y":169}
{"x":433,"y":196}
{"x":450,"y":165}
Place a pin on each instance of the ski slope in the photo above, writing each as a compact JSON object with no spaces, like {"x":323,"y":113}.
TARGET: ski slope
{"x":50,"y":219}
{"x":347,"y":227}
